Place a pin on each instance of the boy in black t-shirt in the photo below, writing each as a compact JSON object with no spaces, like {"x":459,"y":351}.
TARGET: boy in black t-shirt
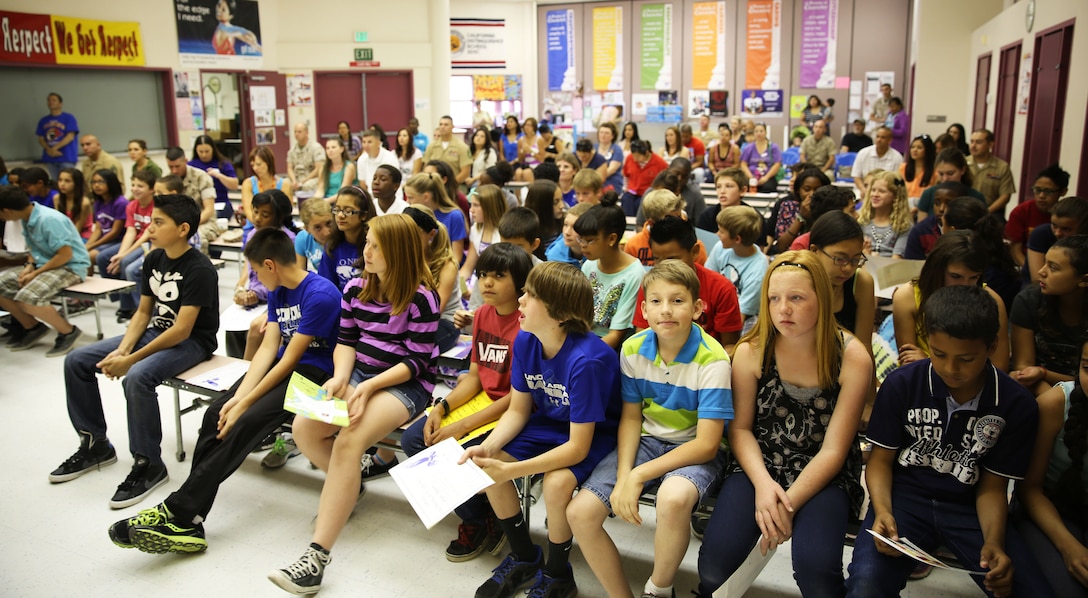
{"x":173,"y":330}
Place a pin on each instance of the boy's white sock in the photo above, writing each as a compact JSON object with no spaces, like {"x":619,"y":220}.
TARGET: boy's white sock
{"x":653,"y":590}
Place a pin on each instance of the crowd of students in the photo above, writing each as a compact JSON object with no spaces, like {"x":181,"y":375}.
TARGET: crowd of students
{"x":612,"y":363}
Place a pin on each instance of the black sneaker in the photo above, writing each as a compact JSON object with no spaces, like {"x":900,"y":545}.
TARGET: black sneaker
{"x":64,"y":343}
{"x":28,"y":338}
{"x":511,"y":576}
{"x":304,"y":575}
{"x":121,"y":532}
{"x":169,"y":536}
{"x":373,"y":470}
{"x":546,"y":586}
{"x":124,"y":315}
{"x":143,"y":478}
{"x":91,"y":456}
{"x":472,"y":540}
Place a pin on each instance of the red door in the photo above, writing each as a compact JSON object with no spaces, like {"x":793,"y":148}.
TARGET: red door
{"x":1008,"y":74}
{"x":388,"y":101}
{"x":1047,"y":106}
{"x":338,"y":97}
{"x":1082,"y":178}
{"x":264,"y":93}
{"x":982,"y":89}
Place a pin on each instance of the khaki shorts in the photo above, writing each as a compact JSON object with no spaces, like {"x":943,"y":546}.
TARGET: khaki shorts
{"x":41,"y":290}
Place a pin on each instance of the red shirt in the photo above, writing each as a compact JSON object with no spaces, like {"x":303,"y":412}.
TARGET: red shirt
{"x":492,"y":341}
{"x":1023,"y":218}
{"x":721,"y":310}
{"x":698,"y":150}
{"x":638,"y":177}
{"x":138,"y":217}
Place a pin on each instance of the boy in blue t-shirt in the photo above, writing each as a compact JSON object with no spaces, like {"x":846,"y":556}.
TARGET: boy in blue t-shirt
{"x":676,"y":402}
{"x":948,"y":434}
{"x":564,"y":408}
{"x":738,"y":259}
{"x":303,"y":320}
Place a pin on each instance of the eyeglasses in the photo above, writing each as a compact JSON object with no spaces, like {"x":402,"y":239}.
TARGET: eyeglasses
{"x":345,"y":211}
{"x":841,"y":262}
{"x":586,"y":242}
{"x":1045,"y":191}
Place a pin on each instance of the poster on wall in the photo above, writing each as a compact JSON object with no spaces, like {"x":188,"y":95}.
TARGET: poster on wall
{"x":708,"y":45}
{"x":213,"y":33}
{"x":797,"y":106}
{"x":698,"y":103}
{"x":560,"y":35}
{"x":655,"y":63}
{"x":719,"y":103}
{"x":560,"y":106}
{"x":1025,"y":84}
{"x":53,"y":39}
{"x":819,"y":42}
{"x":478,"y":43}
{"x":300,"y":90}
{"x":608,"y":48}
{"x":762,"y":102}
{"x":763,"y":66}
{"x":496,"y":88}
{"x":641,"y":103}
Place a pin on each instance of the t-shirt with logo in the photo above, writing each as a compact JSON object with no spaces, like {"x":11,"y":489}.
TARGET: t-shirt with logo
{"x":138,"y":217}
{"x":312,"y":308}
{"x":188,"y":280}
{"x":106,"y":214}
{"x":338,"y":264}
{"x":492,"y":338}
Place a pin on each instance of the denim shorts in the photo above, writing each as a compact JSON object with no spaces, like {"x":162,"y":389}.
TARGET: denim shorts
{"x":603,"y":479}
{"x":411,"y":393}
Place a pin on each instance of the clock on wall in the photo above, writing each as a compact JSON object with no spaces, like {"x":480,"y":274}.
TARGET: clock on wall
{"x":1029,"y":15}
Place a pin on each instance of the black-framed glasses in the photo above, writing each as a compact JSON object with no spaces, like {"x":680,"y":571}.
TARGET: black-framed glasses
{"x":1045,"y":191}
{"x":841,"y":262}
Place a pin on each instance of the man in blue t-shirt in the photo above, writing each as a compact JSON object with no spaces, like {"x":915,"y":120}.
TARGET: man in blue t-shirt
{"x":57,"y":132}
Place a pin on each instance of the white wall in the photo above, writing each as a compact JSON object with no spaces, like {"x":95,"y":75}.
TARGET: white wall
{"x":520,"y":30}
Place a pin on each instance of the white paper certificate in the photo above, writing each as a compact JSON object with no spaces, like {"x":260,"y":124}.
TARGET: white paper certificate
{"x":435,"y":484}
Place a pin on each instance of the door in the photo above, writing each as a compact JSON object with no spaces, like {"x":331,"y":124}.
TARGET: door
{"x":388,"y":102}
{"x":1047,"y":106}
{"x":263,"y":94}
{"x":1008,"y":72}
{"x":338,"y":97}
{"x":982,"y":90}
{"x":1082,"y":177}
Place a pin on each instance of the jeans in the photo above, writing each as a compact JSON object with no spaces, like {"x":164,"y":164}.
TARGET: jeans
{"x":54,"y":168}
{"x":140,"y":385}
{"x":630,"y":203}
{"x":818,"y":530}
{"x":1046,"y":554}
{"x":473,"y":511}
{"x":134,"y":261}
{"x":105,"y":254}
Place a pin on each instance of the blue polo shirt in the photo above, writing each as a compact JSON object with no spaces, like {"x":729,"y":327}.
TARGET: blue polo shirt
{"x":46,"y":231}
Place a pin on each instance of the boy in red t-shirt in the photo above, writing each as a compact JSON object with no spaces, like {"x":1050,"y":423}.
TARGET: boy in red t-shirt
{"x":128,"y":262}
{"x":1050,"y":185}
{"x":639,"y":170}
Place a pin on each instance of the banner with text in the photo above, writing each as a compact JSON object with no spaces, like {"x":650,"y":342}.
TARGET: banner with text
{"x":559,"y":26}
{"x":53,"y":39}
{"x":762,"y":102}
{"x":763,"y":66}
{"x":708,"y":45}
{"x":478,"y":43}
{"x":819,"y":42}
{"x":655,"y":62}
{"x":496,"y":88}
{"x":212,"y":33}
{"x":608,"y":48}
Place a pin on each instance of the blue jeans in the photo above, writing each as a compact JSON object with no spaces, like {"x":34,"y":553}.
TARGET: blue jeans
{"x":1046,"y":554}
{"x":929,"y":523}
{"x":630,"y":203}
{"x":105,"y":254}
{"x":135,"y":257}
{"x":140,"y":385}
{"x":54,"y":168}
{"x":473,"y":511}
{"x":818,"y":531}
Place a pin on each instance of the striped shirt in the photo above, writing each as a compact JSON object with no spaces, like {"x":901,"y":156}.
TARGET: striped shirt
{"x":675,"y":395}
{"x":382,"y":340}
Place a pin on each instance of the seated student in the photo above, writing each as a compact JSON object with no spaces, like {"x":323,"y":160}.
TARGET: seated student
{"x":690,"y":189}
{"x":502,"y":270}
{"x":172,"y":330}
{"x":613,"y":275}
{"x":384,"y":365}
{"x":554,"y":355}
{"x":797,"y":466}
{"x":57,"y":260}
{"x":948,"y":433}
{"x":950,"y":166}
{"x":443,"y":267}
{"x":730,"y":184}
{"x":676,"y":403}
{"x":565,"y":248}
{"x":318,"y":225}
{"x":1050,"y":185}
{"x":639,"y":169}
{"x":588,"y":186}
{"x":1049,"y":508}
{"x":668,"y":180}
{"x":1068,"y":217}
{"x":738,"y":259}
{"x":109,"y":217}
{"x":72,"y":201}
{"x":838,"y":244}
{"x":388,"y":197}
{"x":658,"y":204}
{"x":885,"y":215}
{"x":1049,"y":318}
{"x":518,"y":227}
{"x":352,"y":210}
{"x":1001,"y":275}
{"x":486,"y":206}
{"x":828,"y":198}
{"x":923,"y":235}
{"x":303,"y":321}
{"x":499,"y":175}
{"x":720,"y":317}
{"x":588,"y":155}
{"x":790,"y":216}
{"x":128,"y":262}
{"x":35,"y":182}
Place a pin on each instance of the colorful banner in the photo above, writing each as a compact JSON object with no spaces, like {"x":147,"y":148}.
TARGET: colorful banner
{"x":559,"y":26}
{"x":765,"y":102}
{"x":608,"y":48}
{"x":763,"y":67}
{"x":53,"y":39}
{"x":655,"y":62}
{"x":819,"y":43}
{"x":708,"y":45}
{"x":213,"y":33}
{"x":478,"y":43}
{"x":496,"y":87}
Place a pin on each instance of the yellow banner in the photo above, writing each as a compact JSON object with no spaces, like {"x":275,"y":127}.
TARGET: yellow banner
{"x":607,"y":45}
{"x":104,"y":43}
{"x":489,"y":87}
{"x":708,"y":45}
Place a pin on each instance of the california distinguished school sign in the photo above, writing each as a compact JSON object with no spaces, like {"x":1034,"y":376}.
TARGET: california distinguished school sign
{"x":52,"y":39}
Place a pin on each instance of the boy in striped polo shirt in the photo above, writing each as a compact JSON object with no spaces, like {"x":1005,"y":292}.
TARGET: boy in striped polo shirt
{"x":676,"y":401}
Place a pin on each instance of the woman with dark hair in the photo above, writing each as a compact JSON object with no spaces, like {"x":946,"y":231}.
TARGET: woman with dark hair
{"x":483,"y":155}
{"x":673,"y":146}
{"x":511,"y":135}
{"x":918,"y":170}
{"x":207,"y":157}
{"x":790,"y":214}
{"x":523,"y":170}
{"x":337,"y":171}
{"x":959,"y":135}
{"x":612,"y":169}
{"x":351,"y":212}
{"x":630,"y":133}
{"x":71,"y":201}
{"x":264,"y":179}
{"x":137,"y":152}
{"x":109,"y":215}
{"x":814,"y":111}
{"x":350,"y":141}
{"x":761,"y":160}
{"x":950,"y":165}
{"x":408,"y":155}
{"x":546,"y":201}
{"x":837,"y":240}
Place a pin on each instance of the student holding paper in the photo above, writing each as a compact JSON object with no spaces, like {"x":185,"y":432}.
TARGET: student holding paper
{"x":501,"y":272}
{"x":302,"y":326}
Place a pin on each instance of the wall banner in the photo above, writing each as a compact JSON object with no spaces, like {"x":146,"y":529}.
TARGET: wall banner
{"x":765,"y":102}
{"x":496,"y":87}
{"x":708,"y":45}
{"x":559,"y":29}
{"x":763,"y":67}
{"x":211,"y":34}
{"x":53,"y":39}
{"x":608,"y":48}
{"x":819,"y":42}
{"x":478,"y":43}
{"x":655,"y":62}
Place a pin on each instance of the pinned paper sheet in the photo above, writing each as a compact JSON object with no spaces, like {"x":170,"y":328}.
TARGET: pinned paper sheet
{"x":435,"y":484}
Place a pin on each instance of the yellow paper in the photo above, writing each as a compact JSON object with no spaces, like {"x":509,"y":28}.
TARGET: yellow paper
{"x":309,"y":400}
{"x":477,"y":404}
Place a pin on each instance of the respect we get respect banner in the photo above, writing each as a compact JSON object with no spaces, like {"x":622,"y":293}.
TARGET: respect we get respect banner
{"x":54,"y":39}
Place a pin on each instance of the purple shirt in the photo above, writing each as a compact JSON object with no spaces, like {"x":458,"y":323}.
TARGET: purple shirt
{"x":109,"y":214}
{"x":759,"y":163}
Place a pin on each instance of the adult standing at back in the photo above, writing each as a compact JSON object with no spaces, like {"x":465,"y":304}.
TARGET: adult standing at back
{"x":449,"y":150}
{"x":899,"y":122}
{"x":880,"y":105}
{"x":419,"y":140}
{"x":57,"y":135}
{"x":207,"y":157}
{"x":304,"y":160}
{"x":373,"y":156}
{"x":880,"y":156}
{"x":819,"y":150}
{"x":990,"y":175}
{"x":199,"y":186}
{"x":94,"y":159}
{"x":814,"y":111}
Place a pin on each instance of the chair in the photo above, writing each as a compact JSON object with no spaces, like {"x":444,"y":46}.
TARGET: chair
{"x":844,"y":164}
{"x":790,"y":157}
{"x":708,"y":238}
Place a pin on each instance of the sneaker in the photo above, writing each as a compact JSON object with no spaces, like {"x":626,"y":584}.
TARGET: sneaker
{"x":511,"y":576}
{"x":64,"y":343}
{"x":124,"y":315}
{"x":91,"y":456}
{"x":304,"y":575}
{"x":546,"y":586}
{"x":373,"y":470}
{"x":268,"y":442}
{"x":143,"y":478}
{"x":282,"y":450}
{"x":28,"y":338}
{"x":646,"y":594}
{"x":169,"y":536}
{"x":121,"y":532}
{"x":698,"y":524}
{"x":474,"y":539}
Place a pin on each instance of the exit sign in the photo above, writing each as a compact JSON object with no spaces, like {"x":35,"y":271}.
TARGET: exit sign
{"x":361,"y":37}
{"x":364,"y":53}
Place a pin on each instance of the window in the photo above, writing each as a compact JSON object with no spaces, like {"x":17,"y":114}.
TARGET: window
{"x":461,"y":108}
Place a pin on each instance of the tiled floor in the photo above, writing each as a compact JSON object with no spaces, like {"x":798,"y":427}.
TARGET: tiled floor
{"x":54,"y":539}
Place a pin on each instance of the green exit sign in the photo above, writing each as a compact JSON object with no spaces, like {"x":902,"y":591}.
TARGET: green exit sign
{"x":361,"y":37}
{"x":364,"y":53}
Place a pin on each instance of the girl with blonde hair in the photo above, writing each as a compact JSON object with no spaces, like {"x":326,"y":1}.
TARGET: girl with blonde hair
{"x":885,"y":215}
